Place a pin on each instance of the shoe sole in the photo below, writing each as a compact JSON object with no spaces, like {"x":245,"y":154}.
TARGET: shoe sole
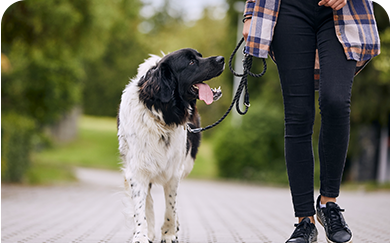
{"x":327,"y":239}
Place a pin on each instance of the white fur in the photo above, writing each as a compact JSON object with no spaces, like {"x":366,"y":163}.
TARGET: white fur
{"x":146,"y":159}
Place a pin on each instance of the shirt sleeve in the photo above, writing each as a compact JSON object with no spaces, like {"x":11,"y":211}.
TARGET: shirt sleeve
{"x":264,"y":16}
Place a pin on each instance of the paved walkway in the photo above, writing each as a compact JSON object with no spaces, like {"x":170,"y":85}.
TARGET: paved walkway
{"x":209,"y":211}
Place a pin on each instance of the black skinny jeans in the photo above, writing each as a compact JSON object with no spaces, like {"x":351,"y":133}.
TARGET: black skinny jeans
{"x":302,"y":27}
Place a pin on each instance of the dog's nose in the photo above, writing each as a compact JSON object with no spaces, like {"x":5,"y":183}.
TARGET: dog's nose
{"x":220,"y":59}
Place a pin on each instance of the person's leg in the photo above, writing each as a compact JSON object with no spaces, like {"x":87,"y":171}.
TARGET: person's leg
{"x":294,"y":46}
{"x":336,"y":77}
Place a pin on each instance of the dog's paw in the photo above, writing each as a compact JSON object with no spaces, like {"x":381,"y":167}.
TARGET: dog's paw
{"x":169,"y":239}
{"x":141,"y":240}
{"x":151,"y":236}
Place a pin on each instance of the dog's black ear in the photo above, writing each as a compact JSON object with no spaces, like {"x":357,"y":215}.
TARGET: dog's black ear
{"x":166,"y":82}
{"x":157,"y":84}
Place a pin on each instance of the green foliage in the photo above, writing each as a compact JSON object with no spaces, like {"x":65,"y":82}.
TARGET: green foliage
{"x":108,"y":75}
{"x":56,"y":47}
{"x":205,"y":166}
{"x":382,"y":62}
{"x":371,"y":88}
{"x":253,"y":150}
{"x":16,"y":134}
{"x":47,"y":43}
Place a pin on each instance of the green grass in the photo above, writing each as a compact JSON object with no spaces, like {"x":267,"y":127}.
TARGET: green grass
{"x":48,"y":173}
{"x":97,"y":147}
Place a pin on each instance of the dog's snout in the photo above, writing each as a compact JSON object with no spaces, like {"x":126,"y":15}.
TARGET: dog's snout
{"x":220,"y":59}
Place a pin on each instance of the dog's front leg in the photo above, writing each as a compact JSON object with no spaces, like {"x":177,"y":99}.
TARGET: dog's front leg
{"x":150,"y":214}
{"x":139,"y":191}
{"x":170,"y":227}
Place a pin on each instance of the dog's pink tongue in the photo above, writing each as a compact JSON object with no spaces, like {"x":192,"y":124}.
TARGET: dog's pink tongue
{"x":205,"y":93}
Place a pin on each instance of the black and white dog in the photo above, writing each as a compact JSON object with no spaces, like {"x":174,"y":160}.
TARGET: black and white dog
{"x":154,"y":144}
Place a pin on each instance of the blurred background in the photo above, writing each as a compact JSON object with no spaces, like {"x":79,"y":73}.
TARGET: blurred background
{"x":65,"y":63}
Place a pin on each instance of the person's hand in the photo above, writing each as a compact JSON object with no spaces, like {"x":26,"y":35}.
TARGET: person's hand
{"x":245,"y":29}
{"x":334,"y":4}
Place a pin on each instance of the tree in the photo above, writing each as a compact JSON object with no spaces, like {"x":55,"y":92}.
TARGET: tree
{"x":371,"y":88}
{"x":48,"y":44}
{"x":107,"y":76}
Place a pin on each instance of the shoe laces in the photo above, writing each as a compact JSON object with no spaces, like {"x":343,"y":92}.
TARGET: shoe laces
{"x":334,"y":217}
{"x":302,"y":229}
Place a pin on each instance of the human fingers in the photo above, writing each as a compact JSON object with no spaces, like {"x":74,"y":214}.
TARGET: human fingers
{"x":323,"y":2}
{"x":334,"y":4}
{"x":339,"y":4}
{"x":329,"y":3}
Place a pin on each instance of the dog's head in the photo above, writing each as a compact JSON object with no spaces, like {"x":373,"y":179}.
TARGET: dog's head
{"x":178,"y":80}
{"x":183,"y":73}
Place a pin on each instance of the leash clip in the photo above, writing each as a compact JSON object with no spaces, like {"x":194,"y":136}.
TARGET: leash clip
{"x":195,"y":130}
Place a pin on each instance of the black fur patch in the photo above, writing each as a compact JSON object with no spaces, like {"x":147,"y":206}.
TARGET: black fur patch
{"x":166,"y":140}
{"x":193,"y":139}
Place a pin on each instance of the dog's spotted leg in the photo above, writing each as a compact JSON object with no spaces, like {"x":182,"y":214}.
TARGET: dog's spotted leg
{"x":170,"y":226}
{"x":138,"y":191}
{"x":150,"y":214}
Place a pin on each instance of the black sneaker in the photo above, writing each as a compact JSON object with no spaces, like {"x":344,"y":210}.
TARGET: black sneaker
{"x":336,"y":228}
{"x":305,"y":232}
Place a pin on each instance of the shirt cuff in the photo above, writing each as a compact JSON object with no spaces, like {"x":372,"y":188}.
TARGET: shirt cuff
{"x":249,"y":7}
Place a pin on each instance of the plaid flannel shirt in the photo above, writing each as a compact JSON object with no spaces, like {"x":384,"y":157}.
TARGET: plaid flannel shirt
{"x":355,"y":27}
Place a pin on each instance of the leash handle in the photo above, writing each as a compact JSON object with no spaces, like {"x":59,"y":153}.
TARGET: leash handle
{"x":247,"y":63}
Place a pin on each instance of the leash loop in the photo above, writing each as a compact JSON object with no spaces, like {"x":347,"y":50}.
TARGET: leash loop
{"x":247,"y":65}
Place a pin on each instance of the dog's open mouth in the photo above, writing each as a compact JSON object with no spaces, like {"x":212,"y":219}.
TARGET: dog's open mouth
{"x":207,"y":94}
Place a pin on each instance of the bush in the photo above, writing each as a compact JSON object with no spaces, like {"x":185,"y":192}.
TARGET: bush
{"x":16,"y":145}
{"x":254,"y":150}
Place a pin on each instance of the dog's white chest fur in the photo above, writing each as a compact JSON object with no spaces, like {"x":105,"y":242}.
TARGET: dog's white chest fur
{"x":150,"y":148}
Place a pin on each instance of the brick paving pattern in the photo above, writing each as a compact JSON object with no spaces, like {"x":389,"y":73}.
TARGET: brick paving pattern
{"x":209,"y":211}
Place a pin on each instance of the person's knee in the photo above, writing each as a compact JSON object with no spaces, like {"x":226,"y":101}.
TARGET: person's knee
{"x":299,"y":122}
{"x":300,"y":116}
{"x":335,"y":106}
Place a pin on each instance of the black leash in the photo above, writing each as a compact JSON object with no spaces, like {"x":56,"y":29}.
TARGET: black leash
{"x":247,"y":64}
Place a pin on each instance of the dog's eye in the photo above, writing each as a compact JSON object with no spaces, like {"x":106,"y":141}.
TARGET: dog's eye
{"x":192,"y":62}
